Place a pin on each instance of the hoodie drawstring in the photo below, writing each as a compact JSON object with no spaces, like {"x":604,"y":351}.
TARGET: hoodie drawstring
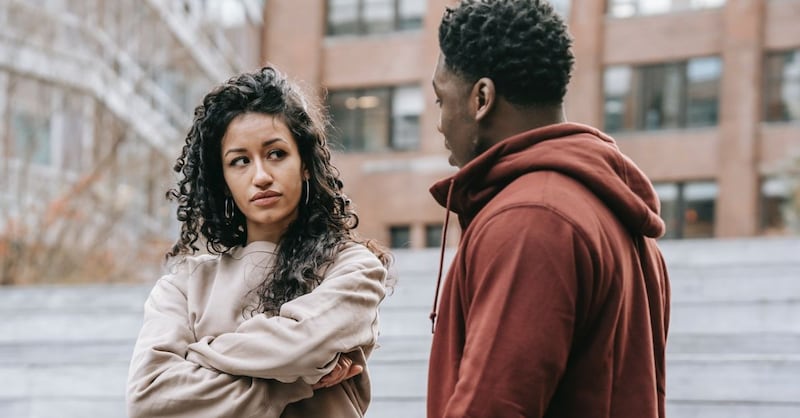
{"x":441,"y":258}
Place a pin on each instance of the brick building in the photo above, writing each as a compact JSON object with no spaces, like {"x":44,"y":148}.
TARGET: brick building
{"x":703,"y":94}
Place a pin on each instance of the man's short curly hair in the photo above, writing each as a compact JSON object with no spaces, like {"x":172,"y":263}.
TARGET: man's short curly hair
{"x":522,"y":45}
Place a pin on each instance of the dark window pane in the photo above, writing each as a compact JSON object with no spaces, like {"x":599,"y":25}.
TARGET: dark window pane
{"x":400,"y":236}
{"x":688,"y":208}
{"x":407,"y":104}
{"x":629,"y":8}
{"x":410,"y":13}
{"x":374,"y":106}
{"x":343,"y":17}
{"x":703,"y":76}
{"x":664,"y":96}
{"x":433,"y":235}
{"x":378,"y":16}
{"x":617,"y":86}
{"x":775,"y":205}
{"x":346,"y":120}
{"x":782,"y":95}
{"x":661,"y":96}
{"x":668,"y":194}
{"x":698,"y":216}
{"x":376,"y":120}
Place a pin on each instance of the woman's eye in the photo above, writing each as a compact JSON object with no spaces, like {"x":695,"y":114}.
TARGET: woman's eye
{"x":239,"y":161}
{"x":276,"y":154}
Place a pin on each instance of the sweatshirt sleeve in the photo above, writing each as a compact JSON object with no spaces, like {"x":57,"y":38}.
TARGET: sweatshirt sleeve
{"x":522,"y":290}
{"x":304,"y":340}
{"x":162,"y":383}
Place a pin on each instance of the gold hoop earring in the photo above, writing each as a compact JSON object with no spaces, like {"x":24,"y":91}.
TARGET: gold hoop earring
{"x":308,"y":191}
{"x":228,"y":208}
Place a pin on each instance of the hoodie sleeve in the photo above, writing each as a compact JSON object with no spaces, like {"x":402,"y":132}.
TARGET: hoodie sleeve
{"x":521,"y":291}
{"x":304,"y":341}
{"x":162,"y":383}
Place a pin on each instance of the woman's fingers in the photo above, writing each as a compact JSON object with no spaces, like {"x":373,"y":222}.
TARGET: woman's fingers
{"x":343,"y":370}
{"x":354,"y":371}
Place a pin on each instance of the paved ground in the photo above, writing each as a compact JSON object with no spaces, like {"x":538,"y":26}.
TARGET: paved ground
{"x":734,"y":347}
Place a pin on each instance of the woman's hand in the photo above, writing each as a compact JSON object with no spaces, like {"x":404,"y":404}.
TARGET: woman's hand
{"x":343,"y":370}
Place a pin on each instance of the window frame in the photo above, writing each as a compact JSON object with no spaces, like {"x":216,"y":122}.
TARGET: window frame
{"x":633,"y":115}
{"x":359,"y":118}
{"x":361,"y":22}
{"x":776,"y":83}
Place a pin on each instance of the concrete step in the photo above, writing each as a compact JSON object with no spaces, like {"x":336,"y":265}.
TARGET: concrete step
{"x":727,"y":409}
{"x":88,"y":324}
{"x":115,"y":297}
{"x":397,"y":407}
{"x":733,"y":378}
{"x":735,"y":317}
{"x":722,"y":252}
{"x":58,"y":407}
{"x":66,"y":352}
{"x":757,"y":343}
{"x":737,"y":283}
{"x":733,"y":350}
{"x":691,"y":378}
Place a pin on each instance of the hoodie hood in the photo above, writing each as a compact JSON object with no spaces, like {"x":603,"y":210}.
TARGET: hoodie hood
{"x":578,"y":151}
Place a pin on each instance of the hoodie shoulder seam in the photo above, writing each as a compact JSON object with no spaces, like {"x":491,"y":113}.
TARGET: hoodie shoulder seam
{"x":538,"y":206}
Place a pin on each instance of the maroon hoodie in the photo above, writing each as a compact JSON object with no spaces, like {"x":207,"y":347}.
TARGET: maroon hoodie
{"x":557,"y":302}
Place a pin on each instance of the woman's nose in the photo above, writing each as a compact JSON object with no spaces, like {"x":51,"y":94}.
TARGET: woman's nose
{"x":262,"y":175}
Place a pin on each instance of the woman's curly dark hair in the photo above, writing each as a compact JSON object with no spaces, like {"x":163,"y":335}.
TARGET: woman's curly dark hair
{"x":522,"y":45}
{"x":322,"y":226}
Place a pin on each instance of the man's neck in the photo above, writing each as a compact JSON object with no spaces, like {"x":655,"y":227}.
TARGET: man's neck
{"x":509,"y":119}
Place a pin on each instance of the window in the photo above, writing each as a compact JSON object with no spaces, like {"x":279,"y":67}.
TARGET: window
{"x":688,"y":208}
{"x":628,"y":8}
{"x":375,"y":120}
{"x":702,"y":91}
{"x":400,"y":236}
{"x":407,"y":104}
{"x":433,"y":236}
{"x":663,"y":96}
{"x":782,"y":90}
{"x":361,"y":17}
{"x":776,"y":205}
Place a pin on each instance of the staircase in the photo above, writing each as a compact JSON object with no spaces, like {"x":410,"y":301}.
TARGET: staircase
{"x":733,"y":352}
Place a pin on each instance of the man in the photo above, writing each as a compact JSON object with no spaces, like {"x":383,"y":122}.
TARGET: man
{"x":557,"y":302}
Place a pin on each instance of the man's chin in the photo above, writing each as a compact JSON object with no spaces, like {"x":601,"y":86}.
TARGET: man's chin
{"x":453,"y":162}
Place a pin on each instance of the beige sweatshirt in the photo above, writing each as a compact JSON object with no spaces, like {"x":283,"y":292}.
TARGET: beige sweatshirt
{"x":200,"y":353}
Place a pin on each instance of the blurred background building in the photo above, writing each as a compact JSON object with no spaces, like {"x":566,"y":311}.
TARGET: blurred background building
{"x":96,"y":97}
{"x":703,"y":94}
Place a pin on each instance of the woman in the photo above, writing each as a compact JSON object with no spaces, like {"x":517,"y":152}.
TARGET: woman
{"x":269,"y":322}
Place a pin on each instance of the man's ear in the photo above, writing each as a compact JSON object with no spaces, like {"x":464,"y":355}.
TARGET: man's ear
{"x":482,"y":97}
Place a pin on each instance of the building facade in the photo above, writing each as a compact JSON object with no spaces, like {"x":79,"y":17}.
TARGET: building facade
{"x":702,"y":94}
